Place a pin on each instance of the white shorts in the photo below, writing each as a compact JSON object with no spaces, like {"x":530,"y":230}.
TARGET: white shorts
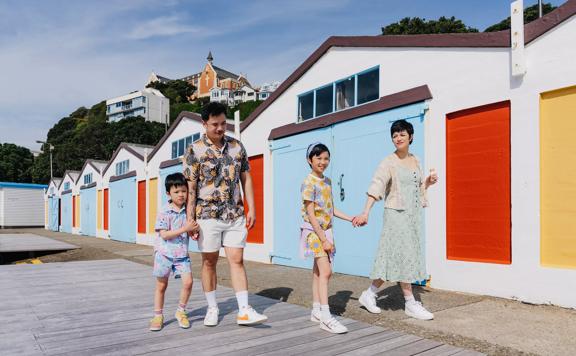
{"x":217,"y":233}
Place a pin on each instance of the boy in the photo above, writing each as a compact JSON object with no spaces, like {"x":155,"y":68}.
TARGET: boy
{"x":171,"y":250}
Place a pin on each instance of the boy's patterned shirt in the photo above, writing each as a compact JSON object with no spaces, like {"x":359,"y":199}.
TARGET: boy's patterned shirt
{"x":217,"y":174}
{"x":169,"y":219}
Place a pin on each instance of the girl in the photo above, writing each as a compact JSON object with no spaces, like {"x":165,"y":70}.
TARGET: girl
{"x":316,"y":239}
{"x":400,"y":182}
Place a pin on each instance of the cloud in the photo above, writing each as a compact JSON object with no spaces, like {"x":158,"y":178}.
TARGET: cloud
{"x":163,"y":26}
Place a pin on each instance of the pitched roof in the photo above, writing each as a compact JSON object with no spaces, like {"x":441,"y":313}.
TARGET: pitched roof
{"x":136,"y":149}
{"x":72,"y":174}
{"x":500,"y":39}
{"x":97,"y":165}
{"x":57,"y":182}
{"x":224,"y":73}
{"x":184,"y":114}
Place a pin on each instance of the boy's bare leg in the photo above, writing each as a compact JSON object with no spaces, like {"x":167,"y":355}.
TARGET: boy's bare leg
{"x":186,"y":288}
{"x":161,"y":285}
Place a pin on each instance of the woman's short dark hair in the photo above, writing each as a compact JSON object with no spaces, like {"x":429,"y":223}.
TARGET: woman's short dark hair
{"x":402,"y":125}
{"x":316,"y":150}
{"x":175,"y":180}
{"x":212,"y":109}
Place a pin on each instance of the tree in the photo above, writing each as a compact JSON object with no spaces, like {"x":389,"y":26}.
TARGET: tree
{"x":178,"y":91}
{"x":245,"y":108}
{"x":15,"y":163}
{"x":417,"y":25}
{"x":530,"y":14}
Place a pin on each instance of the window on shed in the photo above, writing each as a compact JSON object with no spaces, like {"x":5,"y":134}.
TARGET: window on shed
{"x":306,"y":106}
{"x":368,"y":86}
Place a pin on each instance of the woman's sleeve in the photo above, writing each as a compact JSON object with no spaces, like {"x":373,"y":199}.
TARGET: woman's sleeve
{"x":308,"y":191}
{"x":380,"y":180}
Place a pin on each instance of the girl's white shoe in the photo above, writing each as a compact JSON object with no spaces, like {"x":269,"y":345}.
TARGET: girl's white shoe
{"x":332,"y":325}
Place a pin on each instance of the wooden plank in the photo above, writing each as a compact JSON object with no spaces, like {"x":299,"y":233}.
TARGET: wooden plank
{"x":31,"y":242}
{"x":103,"y":307}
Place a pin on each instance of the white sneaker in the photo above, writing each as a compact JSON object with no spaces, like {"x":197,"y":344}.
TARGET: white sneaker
{"x":211,"y":318}
{"x":249,"y":316}
{"x":417,"y":311}
{"x":368,"y":301}
{"x":315,"y":316}
{"x":332,"y":325}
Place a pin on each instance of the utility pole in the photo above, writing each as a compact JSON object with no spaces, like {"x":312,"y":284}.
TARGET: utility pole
{"x":539,"y":8}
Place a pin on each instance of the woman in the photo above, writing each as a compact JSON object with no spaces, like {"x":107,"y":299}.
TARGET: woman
{"x":399,"y":181}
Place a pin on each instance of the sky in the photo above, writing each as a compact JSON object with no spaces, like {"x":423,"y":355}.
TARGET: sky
{"x":58,"y":55}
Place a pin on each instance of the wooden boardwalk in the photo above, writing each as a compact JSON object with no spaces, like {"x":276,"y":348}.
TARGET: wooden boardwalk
{"x":103,"y":308}
{"x":31,"y":243}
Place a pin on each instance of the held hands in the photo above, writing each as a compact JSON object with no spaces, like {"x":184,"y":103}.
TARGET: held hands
{"x":192,"y":228}
{"x":360,"y":220}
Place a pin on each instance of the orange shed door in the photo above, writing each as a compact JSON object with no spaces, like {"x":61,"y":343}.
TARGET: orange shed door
{"x":142,"y":207}
{"x":256,"y":234}
{"x":478,"y":223}
{"x":106,"y":209}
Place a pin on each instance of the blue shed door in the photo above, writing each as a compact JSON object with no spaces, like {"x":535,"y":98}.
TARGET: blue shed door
{"x":67,"y":213}
{"x":291,"y":167}
{"x":53,"y":213}
{"x":164,"y":172}
{"x":123,"y":210}
{"x":88,"y":212}
{"x":359,"y":146}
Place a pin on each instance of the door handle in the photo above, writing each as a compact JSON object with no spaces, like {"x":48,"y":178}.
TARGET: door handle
{"x":341,"y":185}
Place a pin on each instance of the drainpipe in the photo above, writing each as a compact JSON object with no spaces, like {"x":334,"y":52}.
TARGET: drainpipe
{"x":237,"y":124}
{"x":539,"y":8}
{"x":518,"y":60}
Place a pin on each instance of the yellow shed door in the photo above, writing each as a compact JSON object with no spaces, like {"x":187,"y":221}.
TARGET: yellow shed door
{"x":558,"y":178}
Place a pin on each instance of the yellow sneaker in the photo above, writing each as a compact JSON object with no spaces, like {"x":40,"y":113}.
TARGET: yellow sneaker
{"x":182,"y":319}
{"x":156,"y":323}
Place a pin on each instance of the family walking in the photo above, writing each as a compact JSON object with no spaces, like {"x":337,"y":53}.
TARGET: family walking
{"x":205,"y":204}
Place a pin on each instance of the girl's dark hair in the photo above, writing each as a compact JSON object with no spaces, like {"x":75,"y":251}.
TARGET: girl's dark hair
{"x":317,"y":150}
{"x":175,"y":180}
{"x":212,"y":109}
{"x":402,"y":125}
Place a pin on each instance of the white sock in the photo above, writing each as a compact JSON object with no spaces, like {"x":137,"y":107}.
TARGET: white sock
{"x":325,"y":312}
{"x":211,"y":299}
{"x":409,"y":299}
{"x":242,"y":298}
{"x":316,"y":307}
{"x":373,"y":289}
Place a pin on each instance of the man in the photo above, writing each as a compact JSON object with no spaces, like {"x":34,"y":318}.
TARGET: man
{"x":215,"y":167}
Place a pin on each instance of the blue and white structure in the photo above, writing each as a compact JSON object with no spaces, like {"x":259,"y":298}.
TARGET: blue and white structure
{"x":149,"y":103}
{"x":52,"y":199}
{"x":122,"y":176}
{"x":89,"y":184}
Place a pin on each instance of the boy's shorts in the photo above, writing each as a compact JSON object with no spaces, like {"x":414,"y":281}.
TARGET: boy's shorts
{"x":217,"y":233}
{"x":163,"y":265}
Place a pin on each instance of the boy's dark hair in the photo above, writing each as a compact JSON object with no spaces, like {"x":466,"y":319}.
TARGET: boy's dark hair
{"x":316,"y":149}
{"x":402,"y":125}
{"x":175,"y":180}
{"x":212,"y":109}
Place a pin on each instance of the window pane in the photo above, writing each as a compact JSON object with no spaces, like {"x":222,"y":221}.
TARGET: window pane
{"x":345,"y":93}
{"x":324,"y":100}
{"x":196,"y":137}
{"x":305,"y":106}
{"x":180,"y":147}
{"x":117,"y":169}
{"x":188,"y":142}
{"x":368,"y":89}
{"x":174,"y":149}
{"x":127,"y":163}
